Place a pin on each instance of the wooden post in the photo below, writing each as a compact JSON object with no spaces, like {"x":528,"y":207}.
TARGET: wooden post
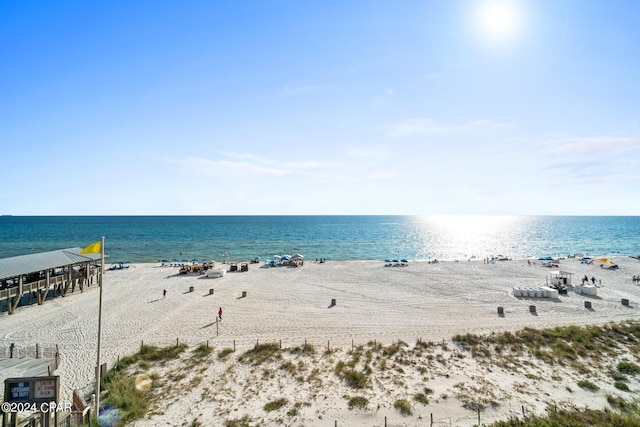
{"x":385,"y":421}
{"x":141,"y":345}
{"x":352,"y":345}
{"x":479,"y":417}
{"x":207,"y":343}
{"x":280,"y":344}
{"x":37,"y":352}
{"x":177,"y":342}
{"x":524,"y":417}
{"x":327,"y":346}
{"x":217,"y":327}
{"x":431,"y":425}
{"x":234,"y":346}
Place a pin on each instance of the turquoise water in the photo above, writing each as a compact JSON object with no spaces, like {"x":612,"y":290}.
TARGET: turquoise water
{"x":151,"y":238}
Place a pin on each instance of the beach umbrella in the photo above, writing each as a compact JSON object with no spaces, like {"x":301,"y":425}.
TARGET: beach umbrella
{"x":276,"y":257}
{"x":395,"y":260}
{"x":285,"y":258}
{"x":605,"y":260}
{"x":297,"y":256}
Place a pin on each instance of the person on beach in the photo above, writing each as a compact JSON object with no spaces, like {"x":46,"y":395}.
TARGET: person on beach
{"x":220,"y":314}
{"x":593,"y":280}
{"x":164,"y":294}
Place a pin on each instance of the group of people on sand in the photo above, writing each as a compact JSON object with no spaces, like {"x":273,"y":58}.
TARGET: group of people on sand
{"x":636,"y":279}
{"x":585,"y":280}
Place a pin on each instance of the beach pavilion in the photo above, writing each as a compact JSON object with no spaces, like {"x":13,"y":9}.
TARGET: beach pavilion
{"x":30,"y":276}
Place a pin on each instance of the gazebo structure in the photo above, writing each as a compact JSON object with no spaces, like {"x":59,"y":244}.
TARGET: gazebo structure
{"x":34,"y":275}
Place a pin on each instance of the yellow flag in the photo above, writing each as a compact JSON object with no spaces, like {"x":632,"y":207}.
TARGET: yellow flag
{"x":93,"y":248}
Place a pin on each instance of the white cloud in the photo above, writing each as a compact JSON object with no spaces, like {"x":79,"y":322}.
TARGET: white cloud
{"x":587,"y":146}
{"x":422,"y":125}
{"x":250,"y":164}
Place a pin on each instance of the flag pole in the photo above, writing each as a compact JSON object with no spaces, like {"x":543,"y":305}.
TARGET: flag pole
{"x":99,"y":328}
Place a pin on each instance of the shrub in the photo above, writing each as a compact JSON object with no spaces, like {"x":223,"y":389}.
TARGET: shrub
{"x":588,"y":385}
{"x":629,"y":368}
{"x":355,"y":379}
{"x":358,"y":402}
{"x":202,"y":351}
{"x":621,"y":386}
{"x":403,"y":406}
{"x":224,"y":353}
{"x":422,"y":398}
{"x":275,"y":404}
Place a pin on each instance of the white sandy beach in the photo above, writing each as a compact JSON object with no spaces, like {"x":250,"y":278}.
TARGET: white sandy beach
{"x":427,"y":301}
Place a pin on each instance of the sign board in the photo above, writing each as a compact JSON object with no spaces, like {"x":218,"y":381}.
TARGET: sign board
{"x":18,"y":391}
{"x":44,"y":389}
{"x":32,"y":389}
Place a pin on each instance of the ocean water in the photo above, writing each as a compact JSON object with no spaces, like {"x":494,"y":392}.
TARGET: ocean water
{"x":236,"y":238}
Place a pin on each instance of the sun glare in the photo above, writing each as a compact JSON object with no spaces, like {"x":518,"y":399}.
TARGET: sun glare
{"x":498,"y":21}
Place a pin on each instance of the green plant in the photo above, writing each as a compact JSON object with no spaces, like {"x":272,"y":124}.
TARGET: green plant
{"x":261,"y":353}
{"x":422,"y":398}
{"x":621,"y":386}
{"x":627,"y":367}
{"x":202,"y":351}
{"x":358,"y":402}
{"x":274,"y":405}
{"x":355,"y":379}
{"x":224,"y":353}
{"x":403,"y":406}
{"x":588,"y":385}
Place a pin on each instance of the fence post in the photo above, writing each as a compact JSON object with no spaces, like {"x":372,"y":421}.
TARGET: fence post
{"x":431,"y":425}
{"x":177,"y":342}
{"x":11,"y":346}
{"x":37,"y":352}
{"x":385,"y":421}
{"x":523,"y":415}
{"x":327,"y":346}
{"x":234,"y":346}
{"x":141,"y":345}
{"x":479,"y":417}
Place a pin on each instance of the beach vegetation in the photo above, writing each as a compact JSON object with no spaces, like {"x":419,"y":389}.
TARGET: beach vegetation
{"x":620,"y":385}
{"x":307,"y":349}
{"x":238,"y":422}
{"x":358,"y":402}
{"x":421,"y":398}
{"x":261,"y":353}
{"x":202,"y":351}
{"x":274,"y":405}
{"x":625,"y":414}
{"x":588,"y":385}
{"x":355,"y":379}
{"x":627,"y":367}
{"x":222,"y":354}
{"x":404,"y":407}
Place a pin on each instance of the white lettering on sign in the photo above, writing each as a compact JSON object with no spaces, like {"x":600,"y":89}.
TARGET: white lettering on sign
{"x":44,"y":389}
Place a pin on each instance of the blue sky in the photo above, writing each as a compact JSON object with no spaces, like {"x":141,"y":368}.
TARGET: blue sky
{"x":320,"y":107}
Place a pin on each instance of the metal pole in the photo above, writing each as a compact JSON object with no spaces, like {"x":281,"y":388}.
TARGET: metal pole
{"x":99,"y":327}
